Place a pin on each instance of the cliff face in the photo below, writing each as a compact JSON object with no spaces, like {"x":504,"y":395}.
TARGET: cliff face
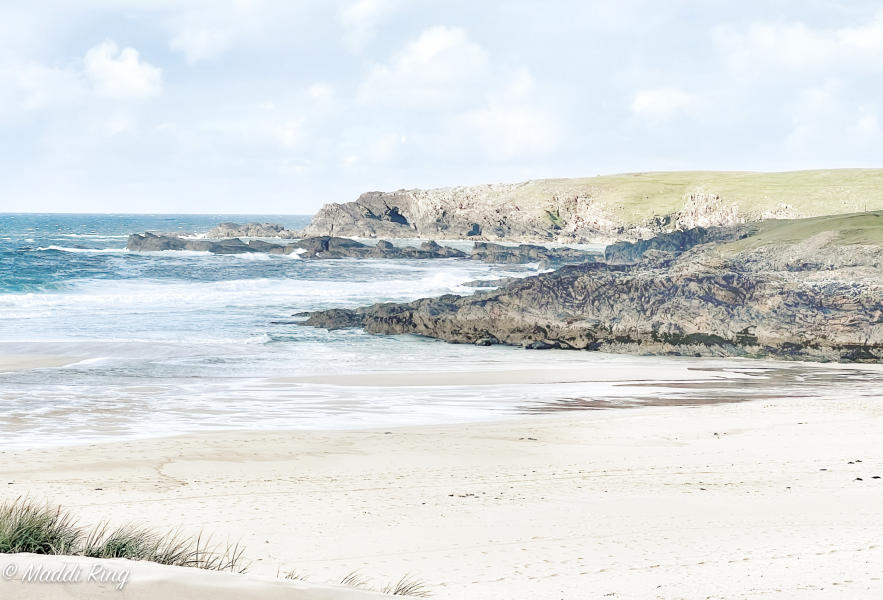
{"x":809,"y":298}
{"x":633,"y":206}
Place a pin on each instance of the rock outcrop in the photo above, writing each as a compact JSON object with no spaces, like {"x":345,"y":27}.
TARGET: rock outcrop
{"x":151,"y":242}
{"x":254,"y":230}
{"x":766,"y":295}
{"x":605,"y":208}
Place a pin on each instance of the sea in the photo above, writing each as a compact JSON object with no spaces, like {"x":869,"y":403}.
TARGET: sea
{"x":165,"y":343}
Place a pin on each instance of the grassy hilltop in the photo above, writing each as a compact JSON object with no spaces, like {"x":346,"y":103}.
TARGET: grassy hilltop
{"x":636,"y":197}
{"x":854,"y":229}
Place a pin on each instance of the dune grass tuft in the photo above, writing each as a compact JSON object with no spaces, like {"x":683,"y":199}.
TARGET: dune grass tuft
{"x":407,"y":586}
{"x":356,"y":580}
{"x":28,"y":526}
{"x":292,"y":575}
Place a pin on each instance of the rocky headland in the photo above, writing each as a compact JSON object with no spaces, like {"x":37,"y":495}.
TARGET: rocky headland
{"x":803,"y":289}
{"x":604,"y":208}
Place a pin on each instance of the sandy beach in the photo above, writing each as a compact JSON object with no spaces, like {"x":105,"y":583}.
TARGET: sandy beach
{"x":758,"y":499}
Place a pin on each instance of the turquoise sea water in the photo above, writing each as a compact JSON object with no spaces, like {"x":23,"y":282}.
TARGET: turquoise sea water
{"x":174,"y":342}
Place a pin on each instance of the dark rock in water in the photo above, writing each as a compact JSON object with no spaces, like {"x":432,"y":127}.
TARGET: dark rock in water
{"x":528,"y":253}
{"x":336,"y":318}
{"x":150,"y":242}
{"x":261,"y":246}
{"x":539,"y":345}
{"x":234,"y":246}
{"x":322,"y":247}
{"x":331,"y":247}
{"x":442,"y":251}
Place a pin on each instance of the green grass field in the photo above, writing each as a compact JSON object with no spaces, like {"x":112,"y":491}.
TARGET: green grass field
{"x":858,"y":228}
{"x":637,"y":197}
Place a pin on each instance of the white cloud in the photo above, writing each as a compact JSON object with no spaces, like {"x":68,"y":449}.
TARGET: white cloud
{"x":288,"y":133}
{"x":105,"y":71}
{"x":796,"y":46}
{"x":511,"y":123}
{"x":116,"y":73}
{"x":33,"y":86}
{"x":119,"y":124}
{"x":824,"y":116}
{"x":867,"y":124}
{"x":441,"y":69}
{"x":203,"y":30}
{"x":661,"y":104}
{"x":361,"y":18}
{"x":197,"y":43}
{"x":321,"y":92}
{"x":386,"y":147}
{"x":511,"y":131}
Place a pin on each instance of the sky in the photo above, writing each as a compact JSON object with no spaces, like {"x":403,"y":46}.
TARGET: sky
{"x":251,"y":106}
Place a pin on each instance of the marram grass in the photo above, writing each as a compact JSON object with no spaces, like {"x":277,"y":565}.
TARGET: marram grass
{"x":29,"y":526}
{"x":26,"y":526}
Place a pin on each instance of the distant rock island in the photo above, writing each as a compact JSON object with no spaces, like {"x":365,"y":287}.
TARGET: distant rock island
{"x":800,"y":289}
{"x":604,"y":208}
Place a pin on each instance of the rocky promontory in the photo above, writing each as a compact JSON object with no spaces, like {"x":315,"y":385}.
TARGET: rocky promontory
{"x":807,"y":289}
{"x":604,"y":208}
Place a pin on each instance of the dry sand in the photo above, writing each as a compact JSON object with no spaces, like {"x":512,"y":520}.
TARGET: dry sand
{"x":749,"y":500}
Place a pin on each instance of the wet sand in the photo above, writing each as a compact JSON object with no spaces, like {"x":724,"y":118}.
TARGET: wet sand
{"x":20,"y":362}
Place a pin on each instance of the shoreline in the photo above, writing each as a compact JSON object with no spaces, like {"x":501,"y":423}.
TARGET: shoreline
{"x":666,"y":501}
{"x":588,"y":374}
